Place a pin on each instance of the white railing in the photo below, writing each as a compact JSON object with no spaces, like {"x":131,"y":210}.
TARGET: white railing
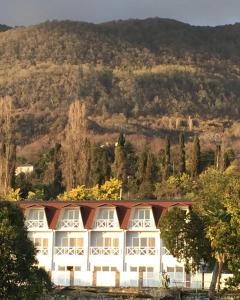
{"x":35,"y":224}
{"x":165,"y":251}
{"x":42,"y":251}
{"x":141,"y":223}
{"x":69,"y":251}
{"x":141,"y":251}
{"x":105,"y":223}
{"x":67,"y":223}
{"x":105,"y":251}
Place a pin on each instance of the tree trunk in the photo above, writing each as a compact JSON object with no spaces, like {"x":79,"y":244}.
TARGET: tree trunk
{"x":214,"y":281}
{"x":220,"y":263}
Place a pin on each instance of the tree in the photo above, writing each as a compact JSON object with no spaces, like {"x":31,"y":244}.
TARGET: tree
{"x":120,"y":160}
{"x":77,"y":147}
{"x":167,"y":159}
{"x":196,"y":156}
{"x":7,"y":145}
{"x":215,"y":236}
{"x":20,"y":277}
{"x":182,"y":158}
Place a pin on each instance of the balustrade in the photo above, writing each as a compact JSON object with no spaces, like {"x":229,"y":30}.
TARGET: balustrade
{"x":105,"y":251}
{"x":141,"y":251}
{"x":69,"y":251}
{"x":141,"y":223}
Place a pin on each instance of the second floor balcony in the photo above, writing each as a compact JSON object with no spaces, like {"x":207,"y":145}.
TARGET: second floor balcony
{"x":141,"y":223}
{"x":35,"y":224}
{"x":41,"y":250}
{"x":105,"y":251}
{"x":141,"y":251}
{"x":105,"y":223}
{"x":69,"y":223}
{"x":69,"y":251}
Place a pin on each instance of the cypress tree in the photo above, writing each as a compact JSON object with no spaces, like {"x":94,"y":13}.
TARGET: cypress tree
{"x":120,"y":159}
{"x":167,"y":159}
{"x":58,"y":178}
{"x":182,"y":156}
{"x":196,"y":155}
{"x":218,"y":156}
{"x":121,"y":140}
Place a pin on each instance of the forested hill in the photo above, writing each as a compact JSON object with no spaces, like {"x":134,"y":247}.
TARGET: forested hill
{"x":153,"y":67}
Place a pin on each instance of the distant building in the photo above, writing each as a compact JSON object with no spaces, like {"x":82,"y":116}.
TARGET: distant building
{"x":26,"y":169}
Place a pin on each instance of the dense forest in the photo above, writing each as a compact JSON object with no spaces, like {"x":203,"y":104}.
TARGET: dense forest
{"x":126,"y":70}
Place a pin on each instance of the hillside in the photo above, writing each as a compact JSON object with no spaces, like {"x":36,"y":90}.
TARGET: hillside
{"x":133,"y":73}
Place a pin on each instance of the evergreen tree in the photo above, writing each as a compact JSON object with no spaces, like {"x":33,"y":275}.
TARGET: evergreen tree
{"x":142,"y":164}
{"x":182,"y":158}
{"x":226,"y":160}
{"x":57,"y":186}
{"x":121,"y":140}
{"x":120,"y":159}
{"x":167,"y":159}
{"x":20,"y":277}
{"x":100,"y":170}
{"x":196,"y":158}
{"x":218,"y":157}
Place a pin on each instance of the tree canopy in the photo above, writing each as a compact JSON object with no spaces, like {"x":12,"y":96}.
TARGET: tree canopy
{"x":20,"y":277}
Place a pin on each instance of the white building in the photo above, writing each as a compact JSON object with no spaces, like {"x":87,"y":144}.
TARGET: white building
{"x":26,"y":169}
{"x":103,"y":243}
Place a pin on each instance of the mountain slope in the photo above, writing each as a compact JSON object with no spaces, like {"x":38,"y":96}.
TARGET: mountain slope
{"x":138,"y":68}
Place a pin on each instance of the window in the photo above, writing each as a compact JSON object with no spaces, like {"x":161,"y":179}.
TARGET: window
{"x":142,"y":213}
{"x":107,"y":242}
{"x":143,"y":242}
{"x":105,"y":268}
{"x":40,"y":242}
{"x":72,"y":242}
{"x":36,"y":214}
{"x":71,"y":214}
{"x":106,"y":214}
{"x":141,"y":269}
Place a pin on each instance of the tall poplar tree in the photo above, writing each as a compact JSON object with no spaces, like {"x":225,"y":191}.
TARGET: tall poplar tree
{"x":7,"y":145}
{"x":182,"y":154}
{"x":196,"y":158}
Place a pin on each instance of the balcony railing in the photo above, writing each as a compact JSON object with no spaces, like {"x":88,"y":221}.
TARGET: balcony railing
{"x":141,"y":223}
{"x":105,"y":223}
{"x":67,"y":223}
{"x":165,"y":251}
{"x":42,"y":251}
{"x":105,"y":251}
{"x":35,"y":224}
{"x":69,"y":251}
{"x":141,"y":251}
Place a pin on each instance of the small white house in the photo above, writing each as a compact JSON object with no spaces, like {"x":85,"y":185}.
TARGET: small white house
{"x":26,"y":169}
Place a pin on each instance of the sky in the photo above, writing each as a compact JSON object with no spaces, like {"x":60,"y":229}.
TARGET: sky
{"x":195,"y":12}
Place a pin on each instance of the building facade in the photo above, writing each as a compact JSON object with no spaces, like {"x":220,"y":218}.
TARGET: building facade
{"x":103,"y":243}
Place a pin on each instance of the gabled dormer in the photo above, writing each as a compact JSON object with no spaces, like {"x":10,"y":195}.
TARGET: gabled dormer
{"x":70,"y":219}
{"x":36,"y":218}
{"x":142,"y":218}
{"x":106,"y":218}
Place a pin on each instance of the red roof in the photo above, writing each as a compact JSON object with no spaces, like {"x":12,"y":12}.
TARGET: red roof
{"x":88,"y":210}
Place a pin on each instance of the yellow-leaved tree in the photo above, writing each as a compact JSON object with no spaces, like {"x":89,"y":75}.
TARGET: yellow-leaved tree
{"x":110,"y":190}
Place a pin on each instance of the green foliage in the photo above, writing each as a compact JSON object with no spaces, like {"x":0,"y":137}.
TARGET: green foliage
{"x":182,"y":158}
{"x":167,"y":159}
{"x":20,"y":278}
{"x":184,"y":236}
{"x":196,"y":157}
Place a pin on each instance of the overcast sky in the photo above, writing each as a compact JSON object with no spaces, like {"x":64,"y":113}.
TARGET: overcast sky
{"x":196,"y":12}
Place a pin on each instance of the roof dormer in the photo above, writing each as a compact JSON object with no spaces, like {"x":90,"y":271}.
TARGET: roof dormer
{"x":36,"y":218}
{"x":106,"y":218}
{"x":70,"y":219}
{"x":142,"y":218}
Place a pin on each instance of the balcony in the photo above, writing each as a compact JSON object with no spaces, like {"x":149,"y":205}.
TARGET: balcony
{"x":69,"y":250}
{"x":165,"y":251}
{"x":68,"y":223}
{"x":141,"y":251}
{"x":41,"y":251}
{"x":105,"y":223}
{"x":141,"y":223}
{"x":105,"y":251}
{"x":35,"y":224}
